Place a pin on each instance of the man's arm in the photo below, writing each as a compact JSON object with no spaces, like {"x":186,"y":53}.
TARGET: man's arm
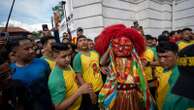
{"x":67,"y":102}
{"x":77,"y":66}
{"x":80,"y":79}
{"x":85,"y":88}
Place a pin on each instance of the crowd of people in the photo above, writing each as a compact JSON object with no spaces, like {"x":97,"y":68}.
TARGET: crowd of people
{"x":122,"y":69}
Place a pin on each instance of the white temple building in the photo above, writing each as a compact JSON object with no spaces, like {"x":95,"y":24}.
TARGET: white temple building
{"x":154,"y":15}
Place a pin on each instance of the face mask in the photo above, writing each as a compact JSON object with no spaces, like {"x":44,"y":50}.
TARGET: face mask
{"x":122,"y":47}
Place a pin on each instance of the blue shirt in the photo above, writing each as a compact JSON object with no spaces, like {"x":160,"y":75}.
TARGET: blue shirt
{"x":35,"y":77}
{"x":38,"y":69}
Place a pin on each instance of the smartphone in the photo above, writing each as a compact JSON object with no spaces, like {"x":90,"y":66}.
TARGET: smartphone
{"x":45,"y":27}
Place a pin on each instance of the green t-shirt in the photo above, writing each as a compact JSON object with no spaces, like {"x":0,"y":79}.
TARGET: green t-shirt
{"x":77,"y":63}
{"x":57,"y":86}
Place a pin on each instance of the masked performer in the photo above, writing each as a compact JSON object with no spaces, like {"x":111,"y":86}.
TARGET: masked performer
{"x":125,"y":87}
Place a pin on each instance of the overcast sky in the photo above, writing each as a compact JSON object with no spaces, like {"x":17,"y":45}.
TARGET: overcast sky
{"x":29,"y":14}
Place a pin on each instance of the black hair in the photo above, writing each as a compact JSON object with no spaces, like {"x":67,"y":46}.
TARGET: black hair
{"x":149,"y":37}
{"x":172,"y":33}
{"x":167,"y":46}
{"x":162,"y":38}
{"x":66,"y":38}
{"x":57,"y":47}
{"x":155,"y":39}
{"x":9,"y":47}
{"x":44,"y":40}
{"x":186,"y":29}
{"x":165,"y":32}
{"x":179,"y":31}
{"x":73,"y":46}
{"x":135,"y":22}
{"x":15,"y":42}
{"x":38,"y":41}
{"x":80,"y":29}
{"x":81,"y":36}
{"x":89,"y":39}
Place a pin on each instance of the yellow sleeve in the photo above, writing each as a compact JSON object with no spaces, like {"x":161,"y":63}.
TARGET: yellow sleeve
{"x":149,"y":55}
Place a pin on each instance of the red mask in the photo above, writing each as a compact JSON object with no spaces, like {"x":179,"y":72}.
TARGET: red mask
{"x":122,"y":47}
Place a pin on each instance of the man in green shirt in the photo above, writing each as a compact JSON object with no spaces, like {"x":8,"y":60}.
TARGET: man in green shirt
{"x":86,"y":65}
{"x":64,"y":90}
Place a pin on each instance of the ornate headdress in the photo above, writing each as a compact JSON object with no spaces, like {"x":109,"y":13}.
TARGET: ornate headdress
{"x":116,"y":31}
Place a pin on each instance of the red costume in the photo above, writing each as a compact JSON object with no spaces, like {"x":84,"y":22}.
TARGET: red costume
{"x":125,"y":87}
